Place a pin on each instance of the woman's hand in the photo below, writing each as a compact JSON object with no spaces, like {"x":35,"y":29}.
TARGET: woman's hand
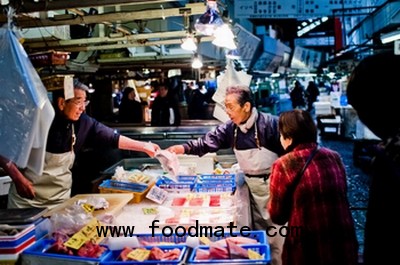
{"x":150,"y":149}
{"x":177,"y":149}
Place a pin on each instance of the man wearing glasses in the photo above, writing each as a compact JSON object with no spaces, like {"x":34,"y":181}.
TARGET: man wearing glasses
{"x":71,"y":129}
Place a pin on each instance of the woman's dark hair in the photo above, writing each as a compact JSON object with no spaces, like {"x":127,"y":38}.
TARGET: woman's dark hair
{"x":371,"y":92}
{"x":243,"y":94}
{"x":298,"y":125}
{"x":126,"y":92}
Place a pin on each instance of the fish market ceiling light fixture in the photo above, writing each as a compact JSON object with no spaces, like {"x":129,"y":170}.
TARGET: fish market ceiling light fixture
{"x":224,"y":37}
{"x":208,"y":22}
{"x":391,"y":36}
{"x":189,"y":44}
{"x":197,"y":63}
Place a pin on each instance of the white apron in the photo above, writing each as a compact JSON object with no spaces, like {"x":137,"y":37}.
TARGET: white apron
{"x":258,"y":161}
{"x":52,"y":187}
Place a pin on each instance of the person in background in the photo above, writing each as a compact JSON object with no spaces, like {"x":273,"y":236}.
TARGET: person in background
{"x":297,"y":96}
{"x":254,"y":137}
{"x":371,"y":91}
{"x":130,"y":110}
{"x":70,"y":131}
{"x":117,"y":97}
{"x":196,"y":102}
{"x":314,"y":199}
{"x":165,"y":108}
{"x":312,"y":93}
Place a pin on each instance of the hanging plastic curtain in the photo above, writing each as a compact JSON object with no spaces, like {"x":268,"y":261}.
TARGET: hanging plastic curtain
{"x":230,"y":77}
{"x":25,"y":110}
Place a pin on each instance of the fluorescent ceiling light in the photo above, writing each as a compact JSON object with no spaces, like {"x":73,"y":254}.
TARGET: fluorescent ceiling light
{"x":197,"y":63}
{"x":391,"y":36}
{"x":189,"y":44}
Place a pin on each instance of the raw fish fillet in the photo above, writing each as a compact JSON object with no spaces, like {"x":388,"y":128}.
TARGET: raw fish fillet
{"x":236,"y":252}
{"x":218,"y":252}
{"x":178,"y":201}
{"x":196,"y":202}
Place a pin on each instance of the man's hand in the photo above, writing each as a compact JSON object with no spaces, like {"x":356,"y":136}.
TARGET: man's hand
{"x":25,"y":189}
{"x":24,"y":186}
{"x":177,"y":149}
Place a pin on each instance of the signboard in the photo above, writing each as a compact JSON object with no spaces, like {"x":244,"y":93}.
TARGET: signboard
{"x":397,"y":47}
{"x":247,"y":44}
{"x":306,"y":58}
{"x":292,"y":8}
{"x":315,"y":41}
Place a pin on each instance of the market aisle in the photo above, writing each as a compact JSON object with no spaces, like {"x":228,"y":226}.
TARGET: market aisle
{"x":358,"y":183}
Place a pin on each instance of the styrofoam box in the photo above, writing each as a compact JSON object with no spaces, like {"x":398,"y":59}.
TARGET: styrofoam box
{"x":205,"y":164}
{"x":5,"y":183}
{"x":322,"y":108}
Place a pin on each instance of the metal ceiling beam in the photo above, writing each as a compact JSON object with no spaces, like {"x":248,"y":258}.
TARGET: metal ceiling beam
{"x":33,"y":22}
{"x":147,"y":59}
{"x":32,"y":6}
{"x":40,"y":43}
{"x":93,"y":44}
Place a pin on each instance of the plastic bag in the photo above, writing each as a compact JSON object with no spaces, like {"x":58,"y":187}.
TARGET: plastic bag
{"x":169,"y":161}
{"x":25,"y":110}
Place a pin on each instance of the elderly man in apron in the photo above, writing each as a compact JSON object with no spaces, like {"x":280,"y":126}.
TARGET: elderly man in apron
{"x":70,"y":131}
{"x":254,"y":138}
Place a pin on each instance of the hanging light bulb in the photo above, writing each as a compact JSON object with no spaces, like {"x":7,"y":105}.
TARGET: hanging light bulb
{"x":224,"y":37}
{"x":188,"y":44}
{"x":224,"y":43}
{"x":233,"y":54}
{"x":224,"y":31}
{"x":197,"y":63}
{"x":210,"y":20}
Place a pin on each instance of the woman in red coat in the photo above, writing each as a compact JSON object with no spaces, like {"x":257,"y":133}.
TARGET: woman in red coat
{"x":314,"y":204}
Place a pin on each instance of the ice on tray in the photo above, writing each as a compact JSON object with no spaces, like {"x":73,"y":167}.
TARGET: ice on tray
{"x":133,"y":176}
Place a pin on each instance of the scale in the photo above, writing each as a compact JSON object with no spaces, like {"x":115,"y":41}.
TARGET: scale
{"x":21,"y":216}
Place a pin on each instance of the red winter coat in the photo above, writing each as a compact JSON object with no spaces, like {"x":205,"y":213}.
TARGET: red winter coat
{"x":320,"y":208}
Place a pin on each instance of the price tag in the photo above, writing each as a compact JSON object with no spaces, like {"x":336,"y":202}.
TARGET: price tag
{"x":254,"y":255}
{"x":76,"y":241}
{"x":87,"y":233}
{"x":157,"y":195}
{"x":139,"y":254}
{"x":150,"y":211}
{"x":68,"y":87}
{"x":87,"y":207}
{"x":205,"y":240}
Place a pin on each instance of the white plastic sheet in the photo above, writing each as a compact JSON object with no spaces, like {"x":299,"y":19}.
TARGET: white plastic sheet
{"x":25,"y":110}
{"x":231,"y":77}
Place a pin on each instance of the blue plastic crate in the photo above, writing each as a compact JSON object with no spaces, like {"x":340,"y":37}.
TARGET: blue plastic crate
{"x":262,"y":249}
{"x":259,"y":235}
{"x":185,"y":183}
{"x":113,"y":258}
{"x":156,"y":239}
{"x":38,"y":251}
{"x":215,"y":186}
{"x":217,"y":177}
{"x":133,"y":187}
